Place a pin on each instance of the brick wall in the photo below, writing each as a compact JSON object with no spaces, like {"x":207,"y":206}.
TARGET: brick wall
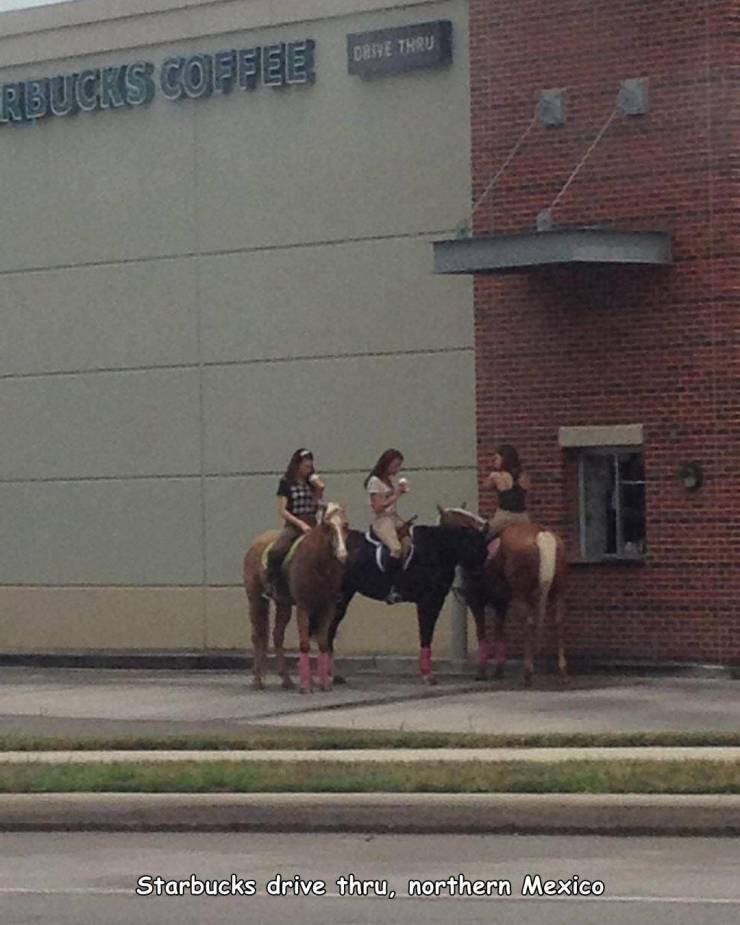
{"x":658,"y":347}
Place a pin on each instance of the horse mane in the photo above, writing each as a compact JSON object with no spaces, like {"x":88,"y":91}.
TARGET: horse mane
{"x":471,"y":515}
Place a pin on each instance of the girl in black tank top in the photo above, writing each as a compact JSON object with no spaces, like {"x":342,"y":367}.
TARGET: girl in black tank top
{"x":511,"y":484}
{"x":513,"y":499}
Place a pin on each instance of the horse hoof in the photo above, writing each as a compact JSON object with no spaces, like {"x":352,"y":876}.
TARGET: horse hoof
{"x":527,"y":680}
{"x":563,"y":679}
{"x":258,"y":684}
{"x":307,"y":690}
{"x":339,"y":679}
{"x":498,"y":672}
{"x":429,"y":680}
{"x":481,"y":674}
{"x":288,"y":684}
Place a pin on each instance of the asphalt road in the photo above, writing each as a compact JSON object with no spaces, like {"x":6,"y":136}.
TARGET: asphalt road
{"x":87,"y":879}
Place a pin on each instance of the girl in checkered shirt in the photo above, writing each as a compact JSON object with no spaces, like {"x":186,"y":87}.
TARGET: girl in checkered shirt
{"x":299,"y":494}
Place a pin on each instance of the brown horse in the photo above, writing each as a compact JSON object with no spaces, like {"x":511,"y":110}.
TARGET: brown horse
{"x":525,"y":576}
{"x":315,"y":579}
{"x":255,"y":583}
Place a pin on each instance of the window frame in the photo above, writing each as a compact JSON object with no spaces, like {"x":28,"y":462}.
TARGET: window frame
{"x":614,"y":452}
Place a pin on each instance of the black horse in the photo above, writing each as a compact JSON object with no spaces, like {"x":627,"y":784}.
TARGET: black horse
{"x":425,"y":580}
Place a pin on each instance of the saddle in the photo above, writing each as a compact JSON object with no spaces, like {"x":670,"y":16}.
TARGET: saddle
{"x":380,"y":554}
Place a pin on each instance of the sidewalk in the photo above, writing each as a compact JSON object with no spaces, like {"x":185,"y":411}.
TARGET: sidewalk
{"x":100,"y":702}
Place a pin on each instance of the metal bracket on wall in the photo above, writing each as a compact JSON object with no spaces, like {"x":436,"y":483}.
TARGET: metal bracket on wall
{"x":544,"y":220}
{"x":633,"y":97}
{"x":551,"y":108}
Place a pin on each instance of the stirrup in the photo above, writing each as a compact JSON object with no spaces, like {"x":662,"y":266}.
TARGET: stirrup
{"x":393,"y":597}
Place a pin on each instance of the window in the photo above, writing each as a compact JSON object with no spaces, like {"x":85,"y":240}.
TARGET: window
{"x":611,"y":484}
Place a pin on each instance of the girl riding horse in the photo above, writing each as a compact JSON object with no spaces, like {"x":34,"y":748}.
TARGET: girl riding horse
{"x":511,"y":484}
{"x":385,"y":520}
{"x":299,"y":494}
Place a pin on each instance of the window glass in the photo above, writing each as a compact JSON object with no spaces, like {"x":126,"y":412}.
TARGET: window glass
{"x":612,"y":504}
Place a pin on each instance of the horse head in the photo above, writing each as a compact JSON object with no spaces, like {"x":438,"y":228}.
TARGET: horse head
{"x":335,"y":518}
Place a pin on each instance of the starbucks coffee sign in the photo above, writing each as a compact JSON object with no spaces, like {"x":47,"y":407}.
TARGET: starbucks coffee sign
{"x":178,"y":78}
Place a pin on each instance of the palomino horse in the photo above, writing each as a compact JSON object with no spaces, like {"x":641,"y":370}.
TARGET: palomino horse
{"x":315,"y":579}
{"x":255,"y":582}
{"x":425,"y":579}
{"x":525,"y":575}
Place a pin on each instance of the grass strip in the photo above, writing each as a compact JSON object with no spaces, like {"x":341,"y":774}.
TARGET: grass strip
{"x":625,"y":776}
{"x":303,"y":739}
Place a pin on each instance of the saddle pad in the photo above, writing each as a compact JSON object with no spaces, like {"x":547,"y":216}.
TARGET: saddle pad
{"x":492,"y":550}
{"x":382,"y":552}
{"x":289,"y":556}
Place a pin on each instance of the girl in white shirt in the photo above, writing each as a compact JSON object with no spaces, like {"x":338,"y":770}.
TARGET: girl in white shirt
{"x":384,"y":493}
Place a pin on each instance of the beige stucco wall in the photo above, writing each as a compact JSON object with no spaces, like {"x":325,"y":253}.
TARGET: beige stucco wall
{"x":192,"y":289}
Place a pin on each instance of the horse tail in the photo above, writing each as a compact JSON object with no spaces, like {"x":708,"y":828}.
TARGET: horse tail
{"x":547,"y":544}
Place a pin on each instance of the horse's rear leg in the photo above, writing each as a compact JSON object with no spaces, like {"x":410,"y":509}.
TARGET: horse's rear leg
{"x":427,"y":614}
{"x":525,"y":611}
{"x":484,"y":647}
{"x":259,"y":615}
{"x":304,"y":658}
{"x":282,"y":618}
{"x":559,"y":611}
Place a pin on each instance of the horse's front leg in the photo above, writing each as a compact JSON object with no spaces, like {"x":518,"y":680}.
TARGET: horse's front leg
{"x":427,"y":612}
{"x":500,"y":649}
{"x":475,"y":600}
{"x":326,"y":680}
{"x":304,"y":642}
{"x":282,"y":618}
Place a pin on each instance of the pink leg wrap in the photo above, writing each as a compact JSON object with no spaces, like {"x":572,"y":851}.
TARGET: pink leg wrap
{"x":304,"y":670}
{"x":425,"y":660}
{"x":484,"y":652}
{"x":324,"y":667}
{"x":501,"y":651}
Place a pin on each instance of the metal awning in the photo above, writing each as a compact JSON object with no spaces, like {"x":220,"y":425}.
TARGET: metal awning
{"x":556,"y":247}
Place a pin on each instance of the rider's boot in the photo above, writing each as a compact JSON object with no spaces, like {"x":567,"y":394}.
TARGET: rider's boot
{"x":394,"y":569}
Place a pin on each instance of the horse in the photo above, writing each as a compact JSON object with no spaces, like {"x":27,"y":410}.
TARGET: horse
{"x":425,"y":578}
{"x":526,"y":576}
{"x":314,"y":581}
{"x":255,"y":585}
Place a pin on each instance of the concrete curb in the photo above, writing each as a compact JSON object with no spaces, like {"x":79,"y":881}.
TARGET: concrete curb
{"x":607,"y":814}
{"x":364,"y":755}
{"x":391,"y":665}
